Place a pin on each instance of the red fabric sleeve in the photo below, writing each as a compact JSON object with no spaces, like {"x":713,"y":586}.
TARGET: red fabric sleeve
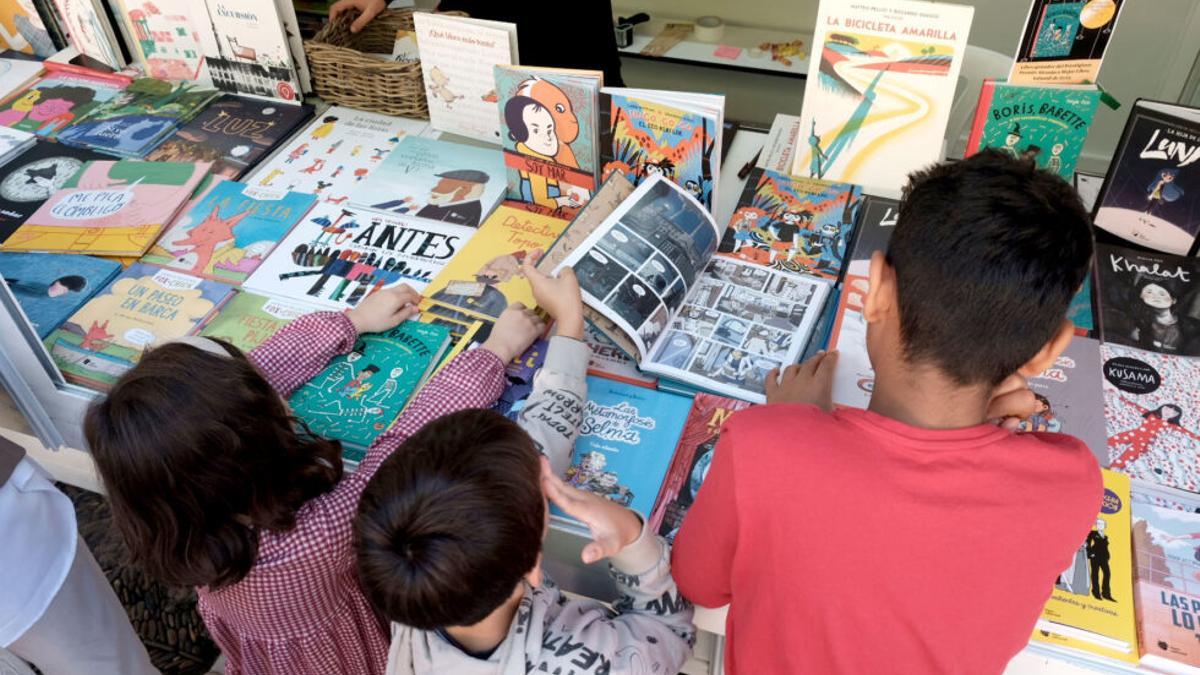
{"x":702,"y":560}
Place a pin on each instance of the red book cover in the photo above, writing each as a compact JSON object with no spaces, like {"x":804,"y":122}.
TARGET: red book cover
{"x":975,"y":139}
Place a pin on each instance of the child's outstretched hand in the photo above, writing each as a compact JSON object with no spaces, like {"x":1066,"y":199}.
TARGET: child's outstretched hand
{"x":808,"y":382}
{"x":384,"y":309}
{"x":368,"y":9}
{"x":514,"y":331}
{"x":560,"y":298}
{"x":613,"y":526}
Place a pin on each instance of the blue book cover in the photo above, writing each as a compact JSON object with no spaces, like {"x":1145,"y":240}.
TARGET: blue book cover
{"x":626,"y":443}
{"x":135,"y":121}
{"x":51,"y":286}
{"x":519,"y":372}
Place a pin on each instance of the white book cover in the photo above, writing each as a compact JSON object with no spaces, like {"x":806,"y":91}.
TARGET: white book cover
{"x":166,"y":38}
{"x":88,"y":31}
{"x":16,"y":75}
{"x":13,"y":142}
{"x":880,"y":84}
{"x":457,"y":56}
{"x":291,"y":28}
{"x":247,"y":51}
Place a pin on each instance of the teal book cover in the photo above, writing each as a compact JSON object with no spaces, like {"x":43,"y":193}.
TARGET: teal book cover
{"x":51,"y":286}
{"x":1046,"y":124}
{"x":359,"y":394}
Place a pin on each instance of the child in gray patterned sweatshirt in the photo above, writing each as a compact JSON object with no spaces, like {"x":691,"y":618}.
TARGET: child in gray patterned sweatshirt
{"x":449,"y":537}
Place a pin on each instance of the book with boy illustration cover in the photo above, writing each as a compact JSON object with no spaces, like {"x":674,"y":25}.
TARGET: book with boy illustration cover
{"x":336,"y":256}
{"x":28,"y":180}
{"x":16,"y":75}
{"x":246,"y":50}
{"x":166,"y":37}
{"x":693,"y":457}
{"x":1152,"y":416}
{"x":139,"y":118}
{"x":1070,"y":398}
{"x":143,"y":307}
{"x":1091,"y":607}
{"x":1151,"y":195}
{"x":1149,"y":300}
{"x":1063,"y":41}
{"x":334,"y":154}
{"x":793,"y":224}
{"x":358,"y":395}
{"x":58,"y":99}
{"x":109,"y":208}
{"x":625,"y":443}
{"x":435,"y":180}
{"x":234,"y":133}
{"x":882,"y":78}
{"x":230,"y":231}
{"x":1166,"y":551}
{"x":1046,"y":124}
{"x":248,"y":319}
{"x":51,"y":286}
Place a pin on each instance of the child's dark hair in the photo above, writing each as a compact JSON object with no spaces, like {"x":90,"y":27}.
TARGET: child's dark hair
{"x":988,"y":253}
{"x":451,"y":522}
{"x":198,"y":452}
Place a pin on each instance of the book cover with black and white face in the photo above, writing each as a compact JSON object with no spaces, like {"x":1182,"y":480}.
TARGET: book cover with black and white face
{"x":1149,"y":300}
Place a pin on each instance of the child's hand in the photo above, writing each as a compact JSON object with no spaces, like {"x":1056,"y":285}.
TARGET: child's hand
{"x":613,"y":526}
{"x":384,"y":309}
{"x":560,"y":298}
{"x":1012,"y":401}
{"x":368,"y":9}
{"x":808,"y":382}
{"x":514,"y":331}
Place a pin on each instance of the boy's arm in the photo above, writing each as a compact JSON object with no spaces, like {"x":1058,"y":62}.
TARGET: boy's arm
{"x":554,"y":410}
{"x":302,"y":348}
{"x":707,"y":540}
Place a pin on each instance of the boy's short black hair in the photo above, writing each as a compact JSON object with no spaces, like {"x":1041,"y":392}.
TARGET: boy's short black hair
{"x":988,"y":253}
{"x":451,"y":522}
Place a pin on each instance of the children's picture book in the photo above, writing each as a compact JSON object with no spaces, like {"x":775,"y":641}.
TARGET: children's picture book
{"x":1152,"y":413}
{"x":1088,"y":186}
{"x":16,"y":74}
{"x":880,"y":84}
{"x":1063,"y":41}
{"x":88,"y":27}
{"x":336,"y":152}
{"x":295,"y":42}
{"x":109,"y":208}
{"x":689,"y":466}
{"x":877,"y":219}
{"x":57,"y":100}
{"x":435,"y":180}
{"x":336,"y":256}
{"x":457,"y":54}
{"x":166,"y":37}
{"x":716,"y":323}
{"x":548,"y":123}
{"x":143,"y":307}
{"x":519,"y":372}
{"x":248,"y":319}
{"x":229,"y":232}
{"x":22,"y":30}
{"x":14,"y":142}
{"x":135,"y":121}
{"x":1166,"y":551}
{"x":1092,"y":607}
{"x":50,"y":286}
{"x":1042,"y":123}
{"x":359,"y":394}
{"x":1149,"y":300}
{"x":610,"y":361}
{"x":677,"y":135}
{"x":28,"y":180}
{"x":1070,"y":398}
{"x":853,"y":375}
{"x":1151,"y":195}
{"x":234,"y":133}
{"x":794,"y":224}
{"x":780,"y":144}
{"x":246,"y":50}
{"x":625,"y":443}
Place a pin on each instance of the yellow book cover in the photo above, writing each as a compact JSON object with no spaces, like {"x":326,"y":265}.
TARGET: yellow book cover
{"x":1092,"y":606}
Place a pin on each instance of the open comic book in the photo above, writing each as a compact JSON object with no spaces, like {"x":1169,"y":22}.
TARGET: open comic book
{"x":718,"y":324}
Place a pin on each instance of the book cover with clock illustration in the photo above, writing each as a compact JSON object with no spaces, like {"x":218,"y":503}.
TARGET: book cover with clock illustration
{"x":30,"y":179}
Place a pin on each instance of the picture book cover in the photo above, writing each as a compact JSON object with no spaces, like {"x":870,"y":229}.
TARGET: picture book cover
{"x":1152,"y":413}
{"x":166,"y":37}
{"x":51,"y":286}
{"x":144,"y":306}
{"x":1080,"y":311}
{"x":1166,"y":551}
{"x":1149,"y":300}
{"x":780,"y":144}
{"x":853,"y":375}
{"x":793,"y":223}
{"x":246,"y":50}
{"x":28,"y":180}
{"x":1063,"y":41}
{"x":881,"y":82}
{"x":878,"y":217}
{"x":457,"y":55}
{"x":57,"y":100}
{"x":1070,"y":397}
{"x":1092,"y":605}
{"x":230,"y":231}
{"x":693,"y":457}
{"x":359,"y":394}
{"x":13,"y":142}
{"x":86,"y":23}
{"x":335,"y":153}
{"x":135,"y":121}
{"x":1046,"y":124}
{"x":625,"y":443}
{"x":1151,"y":195}
{"x":109,"y":208}
{"x":548,"y":124}
{"x":436,"y":180}
{"x":248,"y":319}
{"x":22,"y":29}
{"x":16,"y":74}
{"x":336,"y":256}
{"x":234,"y":133}
{"x":519,"y":372}
{"x":609,"y":360}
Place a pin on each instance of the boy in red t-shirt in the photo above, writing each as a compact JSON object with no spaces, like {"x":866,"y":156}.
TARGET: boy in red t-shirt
{"x":912,"y":537}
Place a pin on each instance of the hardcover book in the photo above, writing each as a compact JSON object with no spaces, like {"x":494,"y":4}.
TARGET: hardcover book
{"x":1149,"y":300}
{"x":139,"y":118}
{"x":13,"y":143}
{"x":519,"y":372}
{"x":1070,"y":397}
{"x":50,"y":286}
{"x":90,"y":31}
{"x":16,"y":75}
{"x":246,"y":50}
{"x":1063,"y":41}
{"x":143,"y":307}
{"x":28,"y":180}
{"x":248,"y":319}
{"x":22,"y":30}
{"x":57,"y":100}
{"x":166,"y":37}
{"x":878,"y":217}
{"x":1166,"y":551}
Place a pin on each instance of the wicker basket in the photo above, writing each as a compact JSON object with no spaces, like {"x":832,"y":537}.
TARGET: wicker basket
{"x":342,"y":73}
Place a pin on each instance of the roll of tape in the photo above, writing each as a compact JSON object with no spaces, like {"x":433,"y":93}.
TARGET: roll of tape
{"x":709,"y":29}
